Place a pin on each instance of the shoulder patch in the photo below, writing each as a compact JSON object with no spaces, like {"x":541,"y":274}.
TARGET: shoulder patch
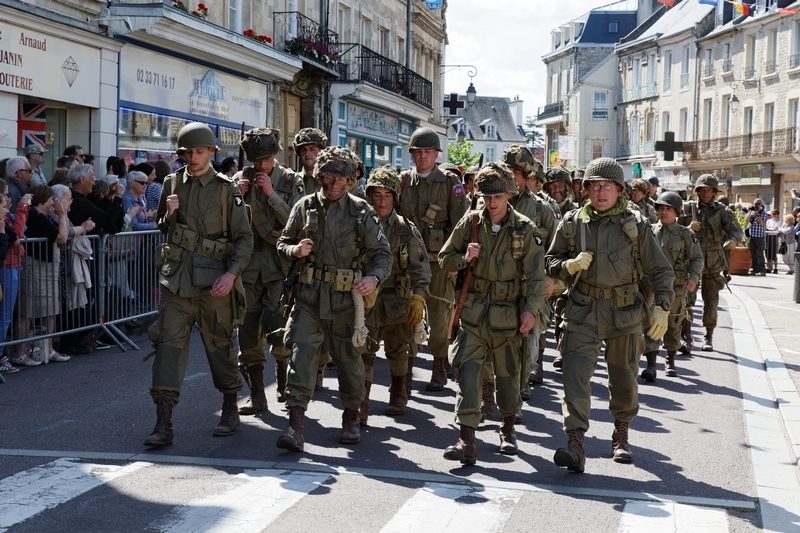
{"x":538,"y":239}
{"x":694,"y":237}
{"x":458,"y":189}
{"x":375,"y":219}
{"x":237,"y":199}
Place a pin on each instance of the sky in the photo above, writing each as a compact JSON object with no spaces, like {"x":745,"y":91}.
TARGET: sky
{"x":505,"y":40}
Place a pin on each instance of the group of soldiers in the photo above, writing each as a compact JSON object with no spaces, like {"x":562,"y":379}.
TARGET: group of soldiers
{"x":476,"y":264}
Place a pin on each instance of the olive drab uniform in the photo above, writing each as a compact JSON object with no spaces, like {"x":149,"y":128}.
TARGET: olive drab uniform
{"x":206,"y":237}
{"x":508,"y":280}
{"x":346,"y":232}
{"x":648,"y":210}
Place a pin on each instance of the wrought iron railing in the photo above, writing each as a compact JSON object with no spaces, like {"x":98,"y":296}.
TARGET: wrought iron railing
{"x":650,"y":88}
{"x":667,"y":84}
{"x":770,"y":66}
{"x":600,"y":114}
{"x":301,"y":36}
{"x":648,"y":148}
{"x":794,"y":61}
{"x":624,"y":150}
{"x":708,"y":70}
{"x":551,"y":110}
{"x":762,"y":144}
{"x":684,"y":80}
{"x":633,"y":149}
{"x":633,"y":92}
{"x":750,"y":72}
{"x":727,"y":65}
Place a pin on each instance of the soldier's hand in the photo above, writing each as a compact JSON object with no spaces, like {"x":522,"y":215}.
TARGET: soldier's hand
{"x":694,"y":226}
{"x":415,"y":310}
{"x":244,"y":186}
{"x":265,"y":182}
{"x":473,"y":251}
{"x":548,"y":287}
{"x":450,"y":274}
{"x":173,"y":203}
{"x":366,"y":285}
{"x":303,"y":248}
{"x":690,"y":285}
{"x":581,"y":262}
{"x":658,"y":323}
{"x":223,"y":285}
{"x":729,"y":245}
{"x":527,"y":322}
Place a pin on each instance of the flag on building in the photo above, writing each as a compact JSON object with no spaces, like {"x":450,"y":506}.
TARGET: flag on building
{"x":32,"y":125}
{"x":782,"y":10}
{"x":709,"y":2}
{"x":668,"y":3}
{"x":742,"y":8}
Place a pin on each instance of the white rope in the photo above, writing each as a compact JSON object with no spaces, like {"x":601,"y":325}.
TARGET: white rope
{"x":420,"y":333}
{"x":360,"y":332}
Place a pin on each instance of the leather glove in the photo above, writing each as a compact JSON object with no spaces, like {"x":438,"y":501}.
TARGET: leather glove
{"x":729,"y":245}
{"x":658,"y":323}
{"x":581,"y":262}
{"x":415,"y":310}
{"x":694,"y":226}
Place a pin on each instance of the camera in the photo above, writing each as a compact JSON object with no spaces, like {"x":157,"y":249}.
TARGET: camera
{"x":752,"y":208}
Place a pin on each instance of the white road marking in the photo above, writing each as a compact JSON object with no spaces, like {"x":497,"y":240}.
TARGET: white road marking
{"x":447,"y":508}
{"x":671,"y":517}
{"x":28,"y":493}
{"x":254,"y":500}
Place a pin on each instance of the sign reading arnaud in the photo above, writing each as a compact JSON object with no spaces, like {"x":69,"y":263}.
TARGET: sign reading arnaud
{"x":208,"y":98}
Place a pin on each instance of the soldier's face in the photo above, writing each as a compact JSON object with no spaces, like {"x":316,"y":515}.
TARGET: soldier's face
{"x":706,"y":194}
{"x":333,"y":188}
{"x":576,"y":188}
{"x":497,"y":206}
{"x":638,"y":195}
{"x":265,"y":164}
{"x":519,"y":179}
{"x":557,"y":190}
{"x":308,"y":155}
{"x":197,"y":159}
{"x":382,"y":200}
{"x":666,"y":214}
{"x":425,"y":159}
{"x":602,"y":199}
{"x":653,"y":190}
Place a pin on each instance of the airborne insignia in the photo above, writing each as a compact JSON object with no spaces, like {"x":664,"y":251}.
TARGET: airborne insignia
{"x":237,"y":199}
{"x":538,"y":239}
{"x":376,"y":219}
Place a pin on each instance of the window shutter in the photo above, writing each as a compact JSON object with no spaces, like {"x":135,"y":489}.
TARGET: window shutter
{"x":587,"y":151}
{"x":606,"y":148}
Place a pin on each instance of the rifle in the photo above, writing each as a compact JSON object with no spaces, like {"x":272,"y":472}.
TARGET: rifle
{"x":241,"y":149}
{"x":455,"y":315}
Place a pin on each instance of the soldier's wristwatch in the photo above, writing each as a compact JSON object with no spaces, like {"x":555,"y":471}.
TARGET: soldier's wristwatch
{"x":664,"y":306}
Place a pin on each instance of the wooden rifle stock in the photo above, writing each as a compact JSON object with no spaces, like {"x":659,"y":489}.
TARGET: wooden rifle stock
{"x":241,"y":149}
{"x":455,"y":315}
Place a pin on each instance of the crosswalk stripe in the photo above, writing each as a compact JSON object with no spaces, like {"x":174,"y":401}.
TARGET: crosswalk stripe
{"x":670,"y":517}
{"x":252,"y":501}
{"x":28,"y":493}
{"x":445,"y":508}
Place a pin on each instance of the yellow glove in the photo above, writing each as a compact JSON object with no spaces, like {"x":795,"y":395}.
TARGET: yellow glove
{"x":694,"y":226}
{"x":729,"y":245}
{"x":658,"y":323}
{"x":581,"y":262}
{"x":415,"y":310}
{"x":371,"y":298}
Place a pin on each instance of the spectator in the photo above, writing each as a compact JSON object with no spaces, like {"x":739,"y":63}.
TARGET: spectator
{"x":3,"y":175}
{"x":120,"y":169}
{"x":75,"y":278}
{"x":35,"y":156}
{"x":230,"y":166}
{"x":40,"y":294}
{"x":107,"y":214}
{"x":73,"y":150}
{"x":110,"y":163}
{"x":772,"y":225}
{"x":758,"y":220}
{"x":89,"y":159}
{"x":19,"y":175}
{"x":153,"y":193}
{"x":788,"y":234}
{"x":134,"y":203}
{"x":60,"y":177}
{"x":67,"y":161}
{"x":653,"y":187}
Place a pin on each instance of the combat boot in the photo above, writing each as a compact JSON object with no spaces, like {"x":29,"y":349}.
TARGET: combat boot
{"x":281,"y":368}
{"x":708,"y":340}
{"x":292,"y":440}
{"x":448,"y":370}
{"x":438,"y":376}
{"x":318,"y":383}
{"x":508,"y":437}
{"x":397,"y":396}
{"x":525,"y":393}
{"x":363,"y":410}
{"x":558,"y":362}
{"x":162,"y":434}
{"x":488,"y":405}
{"x":254,"y":376}
{"x":686,"y":337}
{"x":671,"y":372}
{"x":621,"y":450}
{"x":351,"y":433}
{"x":537,"y":377}
{"x":649,"y":373}
{"x":574,"y":455}
{"x":409,"y":376}
{"x":230,"y":416}
{"x":464,"y":450}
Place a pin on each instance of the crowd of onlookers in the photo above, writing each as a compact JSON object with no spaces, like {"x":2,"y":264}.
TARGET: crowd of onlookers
{"x":771,"y":236}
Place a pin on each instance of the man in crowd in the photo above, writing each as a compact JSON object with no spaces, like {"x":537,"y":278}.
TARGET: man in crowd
{"x":640,"y":197}
{"x":107,"y":213}
{"x":758,"y":237}
{"x":558,"y":186}
{"x":35,"y":156}
{"x":74,"y":150}
{"x":19,"y":175}
{"x":653,"y":181}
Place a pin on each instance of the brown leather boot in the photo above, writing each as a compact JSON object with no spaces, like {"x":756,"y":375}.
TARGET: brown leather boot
{"x":574,"y":455}
{"x":397,"y":396}
{"x":363,"y":410}
{"x":536,"y":378}
{"x":508,"y":437}
{"x":254,"y":377}
{"x":281,"y":369}
{"x":351,"y":433}
{"x":318,"y":383}
{"x":162,"y":434}
{"x":410,"y":376}
{"x":292,"y":440}
{"x":671,"y":372}
{"x":488,"y":405}
{"x":649,"y":373}
{"x":619,"y":443}
{"x":438,"y":376}
{"x":686,"y":337}
{"x":229,"y":420}
{"x":708,"y":340}
{"x":464,"y":450}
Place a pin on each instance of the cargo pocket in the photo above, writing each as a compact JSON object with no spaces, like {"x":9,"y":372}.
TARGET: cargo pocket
{"x":205,"y":271}
{"x":473,"y":310}
{"x":623,"y":261}
{"x":578,"y":306}
{"x":503,"y":319}
{"x":394,"y":308}
{"x":630,"y":316}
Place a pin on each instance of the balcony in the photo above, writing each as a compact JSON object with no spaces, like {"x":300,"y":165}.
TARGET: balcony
{"x":708,"y":70}
{"x":794,"y":61}
{"x":763,"y":144}
{"x":633,"y":92}
{"x":648,"y":148}
{"x":727,"y":65}
{"x":770,"y":66}
{"x":359,"y":63}
{"x":551,"y":110}
{"x":633,"y":149}
{"x":650,"y":88}
{"x":684,"y":80}
{"x":624,"y":150}
{"x":301,"y":36}
{"x":750,"y":72}
{"x":667,"y":84}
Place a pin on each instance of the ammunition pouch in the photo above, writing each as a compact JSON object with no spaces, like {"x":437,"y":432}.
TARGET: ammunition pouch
{"x":343,"y":281}
{"x":503,"y":291}
{"x":191,"y":241}
{"x":624,"y":296}
{"x":306,"y":274}
{"x":434,"y":241}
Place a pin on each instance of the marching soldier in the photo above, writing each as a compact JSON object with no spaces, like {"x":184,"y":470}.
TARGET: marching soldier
{"x":331,"y":234}
{"x":639,"y":196}
{"x":401,"y":298}
{"x":504,"y":300}
{"x":308,"y":143}
{"x":208,"y":245}
{"x":270,"y":190}
{"x":601,"y":251}
{"x":578,"y":194}
{"x":558,"y":186}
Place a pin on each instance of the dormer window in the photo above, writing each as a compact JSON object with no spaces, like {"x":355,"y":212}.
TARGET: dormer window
{"x":490,"y":131}
{"x":556,"y":39}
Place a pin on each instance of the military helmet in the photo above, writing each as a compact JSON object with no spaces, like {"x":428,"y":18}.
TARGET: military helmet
{"x":310,"y":136}
{"x":424,"y":138}
{"x":470,"y":173}
{"x":261,"y":142}
{"x":707,"y":180}
{"x":196,"y":135}
{"x":628,"y":190}
{"x":556,"y":174}
{"x":386,"y":177}
{"x":335,"y":162}
{"x":641,"y":186}
{"x":670,"y":199}
{"x":360,"y":170}
{"x":520,"y":157}
{"x":450,"y":167}
{"x":604,"y":168}
{"x":494,"y":178}
{"x":724,"y":200}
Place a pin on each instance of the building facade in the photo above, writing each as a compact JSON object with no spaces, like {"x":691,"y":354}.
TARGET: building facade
{"x":489,"y":124}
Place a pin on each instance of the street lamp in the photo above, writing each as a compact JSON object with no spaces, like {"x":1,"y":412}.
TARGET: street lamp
{"x":472,"y":93}
{"x":734,"y":103}
{"x":461,"y":125}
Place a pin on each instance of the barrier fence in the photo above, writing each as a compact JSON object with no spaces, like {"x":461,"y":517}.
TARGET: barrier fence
{"x":76,"y":291}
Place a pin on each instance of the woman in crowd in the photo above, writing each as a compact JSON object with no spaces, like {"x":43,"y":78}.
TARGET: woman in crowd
{"x":773,"y":223}
{"x":153,"y":193}
{"x":60,"y":177}
{"x":14,"y":229}
{"x":787,"y":233}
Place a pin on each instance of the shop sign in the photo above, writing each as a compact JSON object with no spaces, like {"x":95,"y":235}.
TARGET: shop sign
{"x":371,"y":123}
{"x":751,"y":175}
{"x":156,"y":80}
{"x":41,"y":65}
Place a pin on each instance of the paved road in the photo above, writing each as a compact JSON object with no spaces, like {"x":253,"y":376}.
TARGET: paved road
{"x":707,"y":455}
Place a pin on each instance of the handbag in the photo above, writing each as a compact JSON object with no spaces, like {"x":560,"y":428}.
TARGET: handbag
{"x":782,"y":248}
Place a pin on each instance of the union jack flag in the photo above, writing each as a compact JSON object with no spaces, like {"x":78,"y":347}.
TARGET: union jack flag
{"x":32,"y":125}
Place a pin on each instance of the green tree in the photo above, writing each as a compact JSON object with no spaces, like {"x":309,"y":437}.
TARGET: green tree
{"x":460,"y":154}
{"x":533,"y":132}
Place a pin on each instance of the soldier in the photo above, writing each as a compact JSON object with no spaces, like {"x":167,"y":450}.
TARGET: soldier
{"x":207,"y":247}
{"x":401,"y":301}
{"x":469,"y":178}
{"x":434,"y":201}
{"x":679,"y":245}
{"x":601,"y":251}
{"x":270,"y":190}
{"x":715,"y":229}
{"x":727,"y":203}
{"x":504,"y":302}
{"x":558,"y":186}
{"x":307,"y":145}
{"x":331,"y":233}
{"x":639,"y":196}
{"x":578,"y":194}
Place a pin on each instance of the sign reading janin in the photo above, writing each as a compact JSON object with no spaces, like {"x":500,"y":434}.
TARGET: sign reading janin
{"x":372,"y":123}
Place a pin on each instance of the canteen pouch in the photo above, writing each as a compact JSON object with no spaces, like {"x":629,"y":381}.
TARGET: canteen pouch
{"x":504,"y":290}
{"x":624,"y":297}
{"x":343,"y":281}
{"x":306,"y":274}
{"x":171,"y":252}
{"x":435,"y":239}
{"x":402,"y":286}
